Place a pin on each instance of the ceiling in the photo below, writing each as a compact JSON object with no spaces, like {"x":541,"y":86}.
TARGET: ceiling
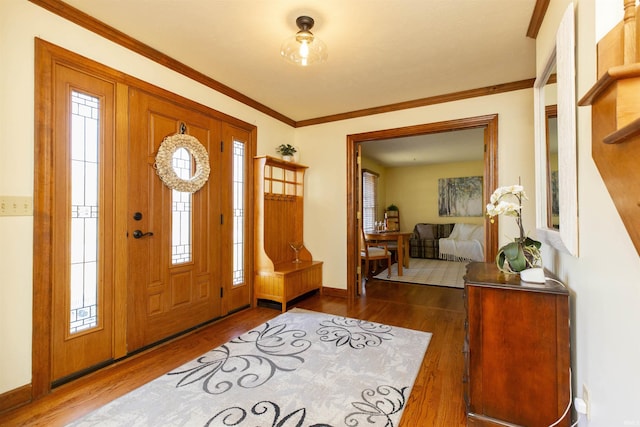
{"x":443,"y":147}
{"x":381,"y":52}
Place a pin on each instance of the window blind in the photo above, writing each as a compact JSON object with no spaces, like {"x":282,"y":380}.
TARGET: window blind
{"x":369,"y":200}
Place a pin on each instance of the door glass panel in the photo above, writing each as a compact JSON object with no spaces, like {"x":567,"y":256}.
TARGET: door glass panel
{"x":181,"y":210}
{"x":85,"y":111}
{"x":238,"y":211}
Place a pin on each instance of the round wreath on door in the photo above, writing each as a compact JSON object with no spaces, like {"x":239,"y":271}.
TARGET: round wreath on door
{"x":164,"y":163}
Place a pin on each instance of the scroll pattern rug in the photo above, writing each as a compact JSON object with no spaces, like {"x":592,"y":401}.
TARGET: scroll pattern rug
{"x":429,"y":272}
{"x":301,"y":368}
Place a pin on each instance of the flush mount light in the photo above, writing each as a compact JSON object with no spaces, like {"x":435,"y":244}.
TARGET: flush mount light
{"x":304,"y":48}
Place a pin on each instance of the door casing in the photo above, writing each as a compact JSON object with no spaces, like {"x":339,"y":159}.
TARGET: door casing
{"x":490,"y":125}
{"x":47,"y":56}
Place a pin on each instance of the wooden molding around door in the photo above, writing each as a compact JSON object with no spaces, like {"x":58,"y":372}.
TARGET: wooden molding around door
{"x":490,"y":125}
{"x":47,"y":57}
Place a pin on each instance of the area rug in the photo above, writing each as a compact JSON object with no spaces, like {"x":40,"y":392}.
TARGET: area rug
{"x":429,"y":272}
{"x":301,"y":368}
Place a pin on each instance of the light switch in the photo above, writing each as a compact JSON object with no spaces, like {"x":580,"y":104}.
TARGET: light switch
{"x":16,"y":206}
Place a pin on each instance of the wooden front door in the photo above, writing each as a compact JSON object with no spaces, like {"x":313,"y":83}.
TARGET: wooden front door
{"x":101,"y":290}
{"x":174,"y":238}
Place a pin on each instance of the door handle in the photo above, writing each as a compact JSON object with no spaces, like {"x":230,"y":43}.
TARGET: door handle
{"x":137,"y":234}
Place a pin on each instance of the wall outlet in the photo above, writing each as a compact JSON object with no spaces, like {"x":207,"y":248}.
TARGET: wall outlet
{"x":585,"y":398}
{"x":16,"y":206}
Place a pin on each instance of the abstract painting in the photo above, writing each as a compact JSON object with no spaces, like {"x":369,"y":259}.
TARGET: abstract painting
{"x":460,"y":196}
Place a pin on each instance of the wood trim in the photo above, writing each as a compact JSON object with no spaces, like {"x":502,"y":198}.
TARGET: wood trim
{"x":334,"y":292}
{"x":490,"y":125}
{"x":614,"y":114}
{"x":80,"y":18}
{"x":423,"y":102}
{"x":100,"y":28}
{"x":490,"y":183}
{"x":629,"y":52}
{"x":42,"y":224}
{"x":539,"y":11}
{"x":46,"y":56}
{"x":14,"y":398}
{"x":628,"y":132}
{"x":121,"y":256}
{"x":608,"y":79}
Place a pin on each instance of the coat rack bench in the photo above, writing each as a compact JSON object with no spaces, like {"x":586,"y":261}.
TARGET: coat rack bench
{"x":279,"y":215}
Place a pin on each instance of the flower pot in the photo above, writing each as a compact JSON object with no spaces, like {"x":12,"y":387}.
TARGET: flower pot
{"x":519,"y":255}
{"x":287,"y":158}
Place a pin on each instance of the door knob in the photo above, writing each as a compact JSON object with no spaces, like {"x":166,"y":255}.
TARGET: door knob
{"x":137,"y":234}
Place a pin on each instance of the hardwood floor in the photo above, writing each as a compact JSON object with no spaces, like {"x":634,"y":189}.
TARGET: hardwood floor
{"x":436,"y":398}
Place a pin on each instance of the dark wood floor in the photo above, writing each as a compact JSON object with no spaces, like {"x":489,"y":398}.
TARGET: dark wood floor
{"x":436,"y":398}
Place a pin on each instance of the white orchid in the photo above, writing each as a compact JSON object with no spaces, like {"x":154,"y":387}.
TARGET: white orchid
{"x":500,"y":206}
{"x":503,"y":208}
{"x":523,"y":252}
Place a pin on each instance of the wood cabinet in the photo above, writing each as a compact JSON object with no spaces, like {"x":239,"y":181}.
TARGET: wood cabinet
{"x":392,"y":220}
{"x":279,"y":214}
{"x":517,"y":355}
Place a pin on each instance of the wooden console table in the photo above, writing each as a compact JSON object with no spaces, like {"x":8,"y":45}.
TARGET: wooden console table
{"x":517,"y":354}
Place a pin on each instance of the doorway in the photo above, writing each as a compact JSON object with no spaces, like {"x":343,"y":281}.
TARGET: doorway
{"x":489,"y":124}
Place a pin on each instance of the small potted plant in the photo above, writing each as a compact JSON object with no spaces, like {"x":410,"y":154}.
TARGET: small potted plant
{"x":391,"y":220}
{"x":286,"y":151}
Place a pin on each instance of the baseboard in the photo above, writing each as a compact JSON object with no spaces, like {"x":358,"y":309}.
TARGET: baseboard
{"x":334,"y":292}
{"x":14,"y":398}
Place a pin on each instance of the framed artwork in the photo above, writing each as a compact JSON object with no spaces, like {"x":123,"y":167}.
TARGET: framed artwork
{"x":460,"y":196}
{"x":555,"y":202}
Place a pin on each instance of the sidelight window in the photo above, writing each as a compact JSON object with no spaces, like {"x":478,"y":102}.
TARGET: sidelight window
{"x":85,"y":130}
{"x":239,"y":189}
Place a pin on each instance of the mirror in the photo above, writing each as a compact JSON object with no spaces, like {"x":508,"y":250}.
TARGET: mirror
{"x":555,"y":155}
{"x":553,"y":196}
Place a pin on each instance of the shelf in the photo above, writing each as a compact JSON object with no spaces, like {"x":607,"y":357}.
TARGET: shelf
{"x":624,"y":134}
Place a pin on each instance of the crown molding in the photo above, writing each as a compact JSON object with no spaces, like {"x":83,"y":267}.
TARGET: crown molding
{"x":96,"y":26}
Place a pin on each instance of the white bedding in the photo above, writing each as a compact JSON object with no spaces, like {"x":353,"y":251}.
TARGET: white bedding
{"x":466,"y":243}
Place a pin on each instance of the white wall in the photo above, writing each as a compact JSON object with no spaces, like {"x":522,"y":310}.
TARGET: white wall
{"x":604,"y":278}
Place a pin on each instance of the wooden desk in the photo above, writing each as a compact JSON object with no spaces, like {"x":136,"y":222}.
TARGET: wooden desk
{"x":403,"y":245}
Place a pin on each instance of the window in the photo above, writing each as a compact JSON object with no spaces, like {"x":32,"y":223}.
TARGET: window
{"x":238,"y":211}
{"x":181,"y":210}
{"x":85,"y":132}
{"x":369,"y":199}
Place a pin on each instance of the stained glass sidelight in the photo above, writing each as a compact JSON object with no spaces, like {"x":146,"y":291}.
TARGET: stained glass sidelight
{"x":238,"y":211}
{"x":85,"y":129}
{"x":181,"y":210}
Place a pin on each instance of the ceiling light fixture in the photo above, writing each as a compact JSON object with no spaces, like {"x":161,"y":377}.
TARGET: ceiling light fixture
{"x":304,"y":48}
